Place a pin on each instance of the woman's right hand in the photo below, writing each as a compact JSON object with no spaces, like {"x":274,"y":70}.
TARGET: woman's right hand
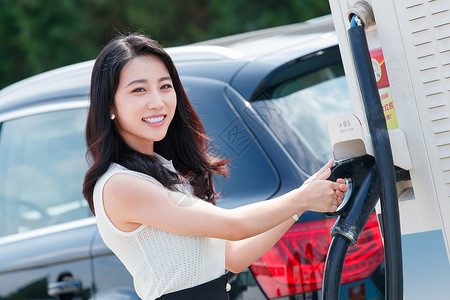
{"x":320,"y":194}
{"x":323,"y":173}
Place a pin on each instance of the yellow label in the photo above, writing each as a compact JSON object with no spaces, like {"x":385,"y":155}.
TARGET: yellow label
{"x":388,"y":107}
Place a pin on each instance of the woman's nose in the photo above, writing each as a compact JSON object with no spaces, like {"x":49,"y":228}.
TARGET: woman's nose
{"x":155,"y":101}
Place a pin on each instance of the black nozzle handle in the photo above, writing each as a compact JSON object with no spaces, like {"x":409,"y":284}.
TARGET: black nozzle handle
{"x":355,"y":211}
{"x":354,"y":215}
{"x":354,"y":170}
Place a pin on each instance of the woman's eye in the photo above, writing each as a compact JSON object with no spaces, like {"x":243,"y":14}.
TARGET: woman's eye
{"x":138,"y":90}
{"x":166,"y":86}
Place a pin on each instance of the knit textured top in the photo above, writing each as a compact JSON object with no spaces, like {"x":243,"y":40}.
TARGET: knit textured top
{"x":159,"y":261}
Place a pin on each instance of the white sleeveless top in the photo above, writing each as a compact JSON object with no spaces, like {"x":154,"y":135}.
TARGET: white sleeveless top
{"x":159,"y":261}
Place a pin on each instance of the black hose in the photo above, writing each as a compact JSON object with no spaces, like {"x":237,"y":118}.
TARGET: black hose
{"x":333,"y":267}
{"x":384,"y":161}
{"x":352,"y":218}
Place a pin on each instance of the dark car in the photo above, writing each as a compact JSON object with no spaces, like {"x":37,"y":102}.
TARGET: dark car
{"x":265,"y":98}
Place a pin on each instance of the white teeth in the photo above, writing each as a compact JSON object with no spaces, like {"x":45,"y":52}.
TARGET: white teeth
{"x":154,"y":119}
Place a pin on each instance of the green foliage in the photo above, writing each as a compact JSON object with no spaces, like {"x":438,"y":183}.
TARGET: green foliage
{"x":39,"y":35}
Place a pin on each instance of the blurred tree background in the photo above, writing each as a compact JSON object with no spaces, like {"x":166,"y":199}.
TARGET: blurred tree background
{"x":39,"y":35}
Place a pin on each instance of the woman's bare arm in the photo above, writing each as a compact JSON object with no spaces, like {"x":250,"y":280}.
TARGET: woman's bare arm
{"x":240,"y":254}
{"x":130,"y":201}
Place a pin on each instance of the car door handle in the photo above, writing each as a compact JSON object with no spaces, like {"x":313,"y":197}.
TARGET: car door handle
{"x":64,"y":287}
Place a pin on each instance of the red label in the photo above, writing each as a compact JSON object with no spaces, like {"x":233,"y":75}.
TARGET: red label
{"x":379,"y":68}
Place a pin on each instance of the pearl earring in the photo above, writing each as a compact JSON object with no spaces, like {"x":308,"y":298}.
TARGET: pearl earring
{"x":112,"y":116}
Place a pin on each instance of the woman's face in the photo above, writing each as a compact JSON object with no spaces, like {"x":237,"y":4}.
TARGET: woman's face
{"x":144,"y":103}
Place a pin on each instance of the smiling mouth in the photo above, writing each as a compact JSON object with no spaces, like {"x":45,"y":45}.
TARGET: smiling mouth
{"x":154,"y":120}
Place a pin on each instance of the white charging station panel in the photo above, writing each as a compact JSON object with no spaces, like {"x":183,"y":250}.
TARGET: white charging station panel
{"x":410,"y":43}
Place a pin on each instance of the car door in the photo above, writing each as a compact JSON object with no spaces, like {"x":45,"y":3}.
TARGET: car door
{"x":45,"y":225}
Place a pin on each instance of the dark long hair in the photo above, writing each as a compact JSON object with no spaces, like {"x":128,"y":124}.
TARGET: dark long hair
{"x":185,"y":143}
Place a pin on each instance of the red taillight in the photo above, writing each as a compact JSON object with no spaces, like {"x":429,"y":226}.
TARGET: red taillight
{"x":295,"y":264}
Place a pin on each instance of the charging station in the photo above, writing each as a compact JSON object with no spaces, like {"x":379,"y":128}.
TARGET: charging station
{"x":408,"y":47}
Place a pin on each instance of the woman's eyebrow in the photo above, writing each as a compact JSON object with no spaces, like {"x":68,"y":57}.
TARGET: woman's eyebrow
{"x":165,"y":78}
{"x":142,"y":81}
{"x":136,"y":82}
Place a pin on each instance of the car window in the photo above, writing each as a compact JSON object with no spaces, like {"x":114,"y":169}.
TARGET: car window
{"x":42,"y":165}
{"x":299,"y":109}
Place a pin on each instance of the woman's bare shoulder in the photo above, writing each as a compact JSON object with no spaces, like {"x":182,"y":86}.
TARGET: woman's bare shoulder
{"x":124,"y":194}
{"x":128,"y":184}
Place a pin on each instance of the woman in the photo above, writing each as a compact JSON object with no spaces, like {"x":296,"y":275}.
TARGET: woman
{"x":157,"y":215}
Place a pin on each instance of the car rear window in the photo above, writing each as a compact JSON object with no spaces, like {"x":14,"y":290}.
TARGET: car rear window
{"x":298,"y":110}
